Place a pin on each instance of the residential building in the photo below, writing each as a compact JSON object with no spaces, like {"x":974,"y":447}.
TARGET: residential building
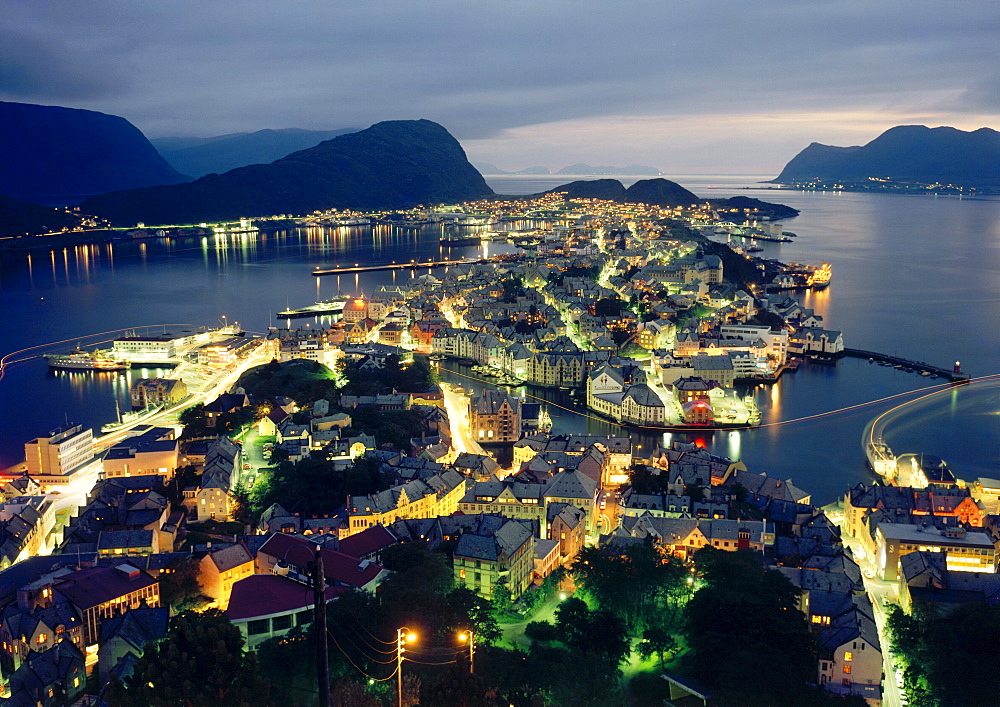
{"x":495,"y":417}
{"x":220,"y":569}
{"x":438,"y":495}
{"x":485,"y":559}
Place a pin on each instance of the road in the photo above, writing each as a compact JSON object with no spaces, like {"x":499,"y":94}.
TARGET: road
{"x":457,"y":406}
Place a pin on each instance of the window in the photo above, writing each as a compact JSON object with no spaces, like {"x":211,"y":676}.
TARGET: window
{"x":42,"y":638}
{"x":304,"y":617}
{"x":255,"y":628}
{"x":76,"y":682}
{"x":848,"y":656}
{"x":847,"y":670}
{"x":847,"y":682}
{"x":461,"y":574}
{"x":281,"y":623}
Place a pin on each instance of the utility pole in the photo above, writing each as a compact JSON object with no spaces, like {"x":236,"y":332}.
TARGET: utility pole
{"x":403,"y":636}
{"x":319,"y":621}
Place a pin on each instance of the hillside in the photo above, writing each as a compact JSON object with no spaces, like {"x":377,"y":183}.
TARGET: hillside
{"x":904,"y":154}
{"x":18,"y":218}
{"x":391,"y":165}
{"x":659,"y":192}
{"x":59,"y":156}
{"x":607,"y":189}
{"x":200,"y":156}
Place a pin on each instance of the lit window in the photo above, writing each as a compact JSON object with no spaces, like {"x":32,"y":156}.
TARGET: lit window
{"x":848,"y":656}
{"x":847,"y":670}
{"x":41,"y":638}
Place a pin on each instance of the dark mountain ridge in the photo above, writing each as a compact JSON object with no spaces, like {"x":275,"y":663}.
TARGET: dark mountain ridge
{"x":391,"y":165}
{"x":58,"y":156}
{"x":905,"y":153}
{"x":222,"y":153}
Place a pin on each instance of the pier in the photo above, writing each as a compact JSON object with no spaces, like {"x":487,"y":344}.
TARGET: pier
{"x":412,"y":265}
{"x":955,"y":375}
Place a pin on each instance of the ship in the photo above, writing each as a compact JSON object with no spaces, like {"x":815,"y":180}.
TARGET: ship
{"x":80,"y":360}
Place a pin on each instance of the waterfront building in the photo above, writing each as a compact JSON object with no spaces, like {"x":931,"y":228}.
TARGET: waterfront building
{"x":62,"y":452}
{"x":150,"y":349}
{"x":147,"y":392}
{"x":495,"y":417}
{"x":224,"y":353}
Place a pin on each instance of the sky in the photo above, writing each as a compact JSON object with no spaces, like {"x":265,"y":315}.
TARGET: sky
{"x":705,"y":87}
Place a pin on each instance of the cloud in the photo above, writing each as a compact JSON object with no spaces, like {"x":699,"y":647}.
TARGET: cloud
{"x":491,"y":71}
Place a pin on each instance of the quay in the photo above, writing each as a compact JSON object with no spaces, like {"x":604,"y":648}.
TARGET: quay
{"x":955,"y":374}
{"x":412,"y":265}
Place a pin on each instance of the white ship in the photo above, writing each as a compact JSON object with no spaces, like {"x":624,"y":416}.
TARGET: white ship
{"x":80,"y":360}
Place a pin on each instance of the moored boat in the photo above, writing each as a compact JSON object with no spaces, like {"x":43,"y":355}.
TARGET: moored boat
{"x":80,"y":360}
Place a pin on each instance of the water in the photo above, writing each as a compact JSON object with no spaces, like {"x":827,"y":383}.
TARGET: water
{"x":915,"y":276}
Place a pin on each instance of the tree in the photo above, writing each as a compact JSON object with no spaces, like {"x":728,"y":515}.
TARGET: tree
{"x":200,"y":663}
{"x":181,"y":585}
{"x":541,"y":631}
{"x":750,"y":615}
{"x":657,"y":641}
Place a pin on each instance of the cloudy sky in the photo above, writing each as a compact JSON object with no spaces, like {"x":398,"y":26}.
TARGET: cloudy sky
{"x":712,"y":86}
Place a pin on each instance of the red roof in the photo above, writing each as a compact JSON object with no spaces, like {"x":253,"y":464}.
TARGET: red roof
{"x":367,"y":541}
{"x":338,"y":567}
{"x":266,"y":594}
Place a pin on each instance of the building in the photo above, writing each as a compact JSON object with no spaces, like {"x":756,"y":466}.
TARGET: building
{"x":62,"y":452}
{"x":487,"y":558}
{"x":226,"y":352}
{"x":222,"y":463}
{"x":964,"y":551}
{"x":220,"y":569}
{"x":495,"y":416}
{"x":685,"y":536}
{"x":263,"y":606}
{"x":148,"y":392}
{"x":149,"y":349}
{"x":438,"y":495}
{"x":153,"y":451}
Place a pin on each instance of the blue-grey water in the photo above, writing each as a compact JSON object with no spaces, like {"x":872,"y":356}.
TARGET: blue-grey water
{"x":918,"y":276}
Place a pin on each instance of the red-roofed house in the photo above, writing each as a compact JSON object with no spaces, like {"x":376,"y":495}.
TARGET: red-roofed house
{"x":368,"y":544}
{"x":288,"y":555}
{"x":264,"y":606}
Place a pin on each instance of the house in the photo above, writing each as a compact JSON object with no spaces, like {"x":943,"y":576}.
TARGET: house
{"x":685,"y":536}
{"x":850,"y":655}
{"x":220,"y":569}
{"x":291,"y":556}
{"x":369,"y":543}
{"x":486,"y":559}
{"x":217,"y":479}
{"x":55,"y":677}
{"x":128,"y":634}
{"x":438,"y":495}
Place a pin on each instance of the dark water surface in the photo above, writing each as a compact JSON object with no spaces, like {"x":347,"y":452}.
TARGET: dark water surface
{"x":917,"y":276}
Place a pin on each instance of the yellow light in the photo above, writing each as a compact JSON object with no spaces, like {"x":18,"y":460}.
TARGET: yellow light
{"x":411,"y":637}
{"x":463,"y":637}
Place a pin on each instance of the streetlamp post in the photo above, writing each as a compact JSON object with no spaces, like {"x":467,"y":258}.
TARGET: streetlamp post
{"x":467,"y":636}
{"x":403,"y":636}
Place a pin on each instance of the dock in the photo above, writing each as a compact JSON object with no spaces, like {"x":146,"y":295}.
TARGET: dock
{"x":953,"y":374}
{"x":412,"y":265}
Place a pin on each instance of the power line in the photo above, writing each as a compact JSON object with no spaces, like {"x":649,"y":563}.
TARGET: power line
{"x":355,"y":664}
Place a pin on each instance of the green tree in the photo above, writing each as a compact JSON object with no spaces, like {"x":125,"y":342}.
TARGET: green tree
{"x":750,"y":615}
{"x":200,"y":663}
{"x":657,"y":641}
{"x":181,"y":585}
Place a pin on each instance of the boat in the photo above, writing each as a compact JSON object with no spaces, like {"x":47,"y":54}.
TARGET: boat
{"x":462,"y":241}
{"x":80,"y":360}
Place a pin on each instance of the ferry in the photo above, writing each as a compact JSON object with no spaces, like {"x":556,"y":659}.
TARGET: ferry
{"x":80,"y":360}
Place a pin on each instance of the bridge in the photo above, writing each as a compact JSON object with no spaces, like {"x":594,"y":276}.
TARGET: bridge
{"x":411,"y":265}
{"x":956,"y":375}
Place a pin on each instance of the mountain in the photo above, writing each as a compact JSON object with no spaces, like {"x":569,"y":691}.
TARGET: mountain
{"x":630,"y":170}
{"x":391,"y":165}
{"x":490,"y":168}
{"x":659,"y":192}
{"x":200,"y":156}
{"x":55,"y":155}
{"x":663,"y":192}
{"x":606,"y":189}
{"x":905,"y":153}
{"x":18,"y":218}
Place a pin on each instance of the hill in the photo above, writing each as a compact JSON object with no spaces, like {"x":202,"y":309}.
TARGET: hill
{"x":663,"y":192}
{"x":659,"y":192}
{"x":59,"y":156}
{"x":200,"y":156}
{"x":391,"y":165}
{"x":18,"y":218}
{"x":904,"y":154}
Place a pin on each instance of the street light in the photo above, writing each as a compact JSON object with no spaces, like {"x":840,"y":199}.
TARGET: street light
{"x":403,"y":636}
{"x":467,"y":636}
